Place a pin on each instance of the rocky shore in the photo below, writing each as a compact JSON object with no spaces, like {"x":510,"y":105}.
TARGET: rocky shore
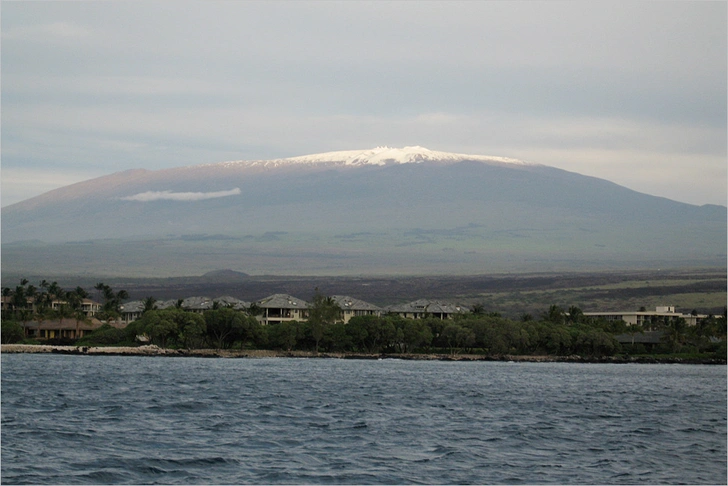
{"x":152,"y":350}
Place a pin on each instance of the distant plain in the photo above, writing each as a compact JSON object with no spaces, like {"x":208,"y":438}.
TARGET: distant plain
{"x":511,"y":294}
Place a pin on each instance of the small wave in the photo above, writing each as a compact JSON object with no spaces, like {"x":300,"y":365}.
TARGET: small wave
{"x":201,"y":461}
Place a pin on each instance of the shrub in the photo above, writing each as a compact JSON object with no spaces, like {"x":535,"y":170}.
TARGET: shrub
{"x":106,"y":335}
{"x":11,"y":332}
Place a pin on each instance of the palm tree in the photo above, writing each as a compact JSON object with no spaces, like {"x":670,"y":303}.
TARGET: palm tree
{"x":149,"y":304}
{"x":112,"y":301}
{"x":575,"y":314}
{"x":55,"y":292}
{"x":675,"y":333}
{"x":99,"y":290}
{"x":323,"y":312}
{"x":555,"y":314}
{"x":75,"y":303}
{"x":18,"y":300}
{"x":60,"y":312}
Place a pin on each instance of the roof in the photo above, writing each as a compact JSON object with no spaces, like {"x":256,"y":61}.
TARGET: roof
{"x":70,"y":324}
{"x":282,"y":301}
{"x":236,"y":304}
{"x":166,"y":304}
{"x":132,"y":307}
{"x":350,"y":303}
{"x":197,"y":303}
{"x":428,"y":306}
{"x":647,"y":337}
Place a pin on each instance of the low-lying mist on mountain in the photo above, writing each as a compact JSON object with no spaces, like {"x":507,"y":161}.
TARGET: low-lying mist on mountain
{"x":380,"y":211}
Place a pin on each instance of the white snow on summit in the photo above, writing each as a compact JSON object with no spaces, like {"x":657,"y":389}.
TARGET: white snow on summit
{"x":379,"y":156}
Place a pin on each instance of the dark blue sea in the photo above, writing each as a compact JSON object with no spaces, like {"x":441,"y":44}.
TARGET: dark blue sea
{"x":161,"y":420}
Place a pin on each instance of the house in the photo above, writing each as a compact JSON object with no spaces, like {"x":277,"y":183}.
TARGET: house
{"x":422,"y":308}
{"x":647,"y":318}
{"x":88,"y":306}
{"x":60,"y":328}
{"x":648,"y":339}
{"x":351,"y":307}
{"x":231,"y":302}
{"x":279,"y":308}
{"x":131,"y":311}
{"x":198,"y":305}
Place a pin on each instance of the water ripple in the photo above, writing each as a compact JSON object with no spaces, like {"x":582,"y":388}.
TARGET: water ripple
{"x":136,"y":420}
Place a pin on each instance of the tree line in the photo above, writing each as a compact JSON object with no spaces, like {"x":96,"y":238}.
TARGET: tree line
{"x":49,"y":302}
{"x":489,"y":334}
{"x":555,"y":332}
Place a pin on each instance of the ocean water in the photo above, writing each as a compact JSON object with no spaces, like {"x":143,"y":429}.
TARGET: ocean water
{"x":156,"y":420}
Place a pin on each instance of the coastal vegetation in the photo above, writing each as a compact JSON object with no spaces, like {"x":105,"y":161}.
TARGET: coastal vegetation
{"x":555,"y":331}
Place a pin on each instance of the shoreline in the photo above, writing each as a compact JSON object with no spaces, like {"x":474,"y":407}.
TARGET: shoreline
{"x":152,"y":350}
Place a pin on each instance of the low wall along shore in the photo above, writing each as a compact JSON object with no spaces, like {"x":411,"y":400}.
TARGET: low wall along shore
{"x":152,"y":350}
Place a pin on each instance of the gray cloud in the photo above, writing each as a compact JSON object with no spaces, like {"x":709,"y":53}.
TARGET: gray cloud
{"x":179,"y":196}
{"x":107,"y":86}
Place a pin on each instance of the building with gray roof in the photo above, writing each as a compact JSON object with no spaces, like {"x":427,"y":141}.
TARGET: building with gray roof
{"x":422,"y":308}
{"x":351,"y":307}
{"x":231,"y":302}
{"x":278,"y":308}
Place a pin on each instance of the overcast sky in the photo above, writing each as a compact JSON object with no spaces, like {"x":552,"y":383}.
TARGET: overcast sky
{"x":632,"y":92}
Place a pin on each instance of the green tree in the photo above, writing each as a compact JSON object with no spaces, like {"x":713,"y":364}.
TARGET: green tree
{"x":225,"y":326}
{"x":556,"y":339}
{"x":575,"y":315}
{"x":555,"y":314}
{"x":105,"y":335}
{"x":414,"y":334}
{"x":356,"y":329}
{"x":478,"y":309}
{"x":675,"y":333}
{"x":594,"y":342}
{"x":21,"y":300}
{"x":284,"y":335}
{"x":11,"y":332}
{"x":150,"y":303}
{"x":633,"y":329}
{"x":160,"y":327}
{"x":254,"y":310}
{"x":191,"y":329}
{"x":372,"y":333}
{"x":336,"y":338}
{"x":112,"y":301}
{"x":74,"y":300}
{"x":323,"y":312}
{"x":457,"y":336}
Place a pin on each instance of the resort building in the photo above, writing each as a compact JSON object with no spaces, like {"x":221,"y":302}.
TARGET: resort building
{"x":88,"y":306}
{"x":60,"y":328}
{"x":351,"y":307}
{"x":423,"y":308}
{"x":279,"y":308}
{"x":227,"y":301}
{"x":647,"y":318}
{"x":131,"y":311}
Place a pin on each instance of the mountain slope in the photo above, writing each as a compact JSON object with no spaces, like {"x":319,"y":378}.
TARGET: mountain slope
{"x":371,"y":209}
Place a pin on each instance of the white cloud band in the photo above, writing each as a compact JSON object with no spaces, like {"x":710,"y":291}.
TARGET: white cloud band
{"x":179,"y":196}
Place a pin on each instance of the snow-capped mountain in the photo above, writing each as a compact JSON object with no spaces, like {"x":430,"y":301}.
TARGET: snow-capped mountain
{"x":382,"y":210}
{"x":378,"y":156}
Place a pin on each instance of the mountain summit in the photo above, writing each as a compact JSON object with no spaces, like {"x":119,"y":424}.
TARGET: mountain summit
{"x":377,"y":211}
{"x":380,"y":156}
